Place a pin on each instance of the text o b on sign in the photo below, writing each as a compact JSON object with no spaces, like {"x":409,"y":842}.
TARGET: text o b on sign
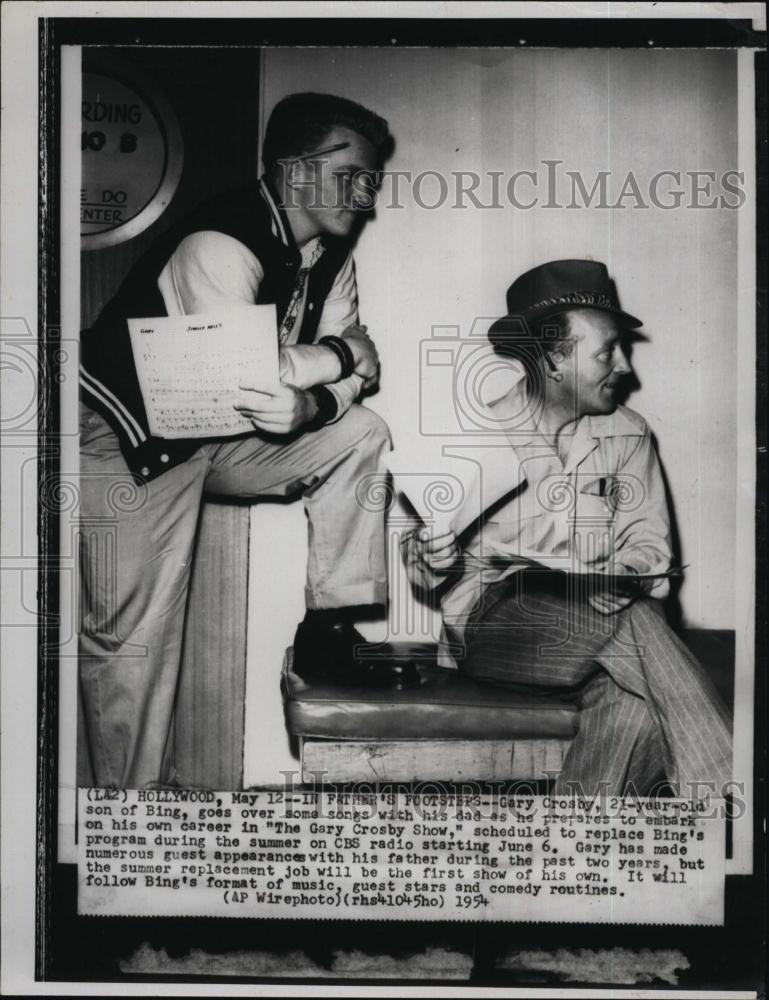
{"x":132,"y":155}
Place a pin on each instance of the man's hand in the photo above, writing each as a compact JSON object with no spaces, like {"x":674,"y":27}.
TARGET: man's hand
{"x":610,"y":601}
{"x":278,"y":411}
{"x":364,"y":352}
{"x":437,"y":553}
{"x":609,"y":604}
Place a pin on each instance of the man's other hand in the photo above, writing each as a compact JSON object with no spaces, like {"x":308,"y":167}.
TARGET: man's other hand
{"x":609,"y":604}
{"x":278,"y":411}
{"x":437,"y":553}
{"x":610,"y":601}
{"x":364,"y":352}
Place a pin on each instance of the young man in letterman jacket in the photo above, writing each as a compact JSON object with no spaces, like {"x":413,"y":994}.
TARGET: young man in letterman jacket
{"x":286,"y":240}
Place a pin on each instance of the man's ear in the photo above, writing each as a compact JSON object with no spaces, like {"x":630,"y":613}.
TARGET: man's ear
{"x":553,"y":360}
{"x":299,"y":175}
{"x":292,"y":172}
{"x":558,"y":353}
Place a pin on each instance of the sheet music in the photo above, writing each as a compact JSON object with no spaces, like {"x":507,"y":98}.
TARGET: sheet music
{"x":606,"y":577}
{"x":190,"y":368}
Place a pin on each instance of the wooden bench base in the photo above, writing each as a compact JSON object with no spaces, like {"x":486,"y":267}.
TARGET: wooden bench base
{"x":431,"y":760}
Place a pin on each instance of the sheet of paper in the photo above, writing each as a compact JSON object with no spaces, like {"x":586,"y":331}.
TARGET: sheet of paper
{"x":564,"y":564}
{"x":190,"y":368}
{"x":450,"y":492}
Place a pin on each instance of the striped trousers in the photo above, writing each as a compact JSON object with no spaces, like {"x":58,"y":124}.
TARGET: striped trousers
{"x":647,"y":709}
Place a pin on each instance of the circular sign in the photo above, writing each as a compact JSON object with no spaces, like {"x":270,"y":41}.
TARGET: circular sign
{"x":131,"y":157}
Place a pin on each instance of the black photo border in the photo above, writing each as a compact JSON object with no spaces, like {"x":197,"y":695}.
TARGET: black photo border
{"x":70,"y":948}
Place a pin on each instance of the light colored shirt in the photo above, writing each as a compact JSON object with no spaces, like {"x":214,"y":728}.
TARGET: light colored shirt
{"x":210,"y":270}
{"x":598,"y":507}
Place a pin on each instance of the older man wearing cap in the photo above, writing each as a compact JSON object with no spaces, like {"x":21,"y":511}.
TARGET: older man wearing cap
{"x":559,"y":584}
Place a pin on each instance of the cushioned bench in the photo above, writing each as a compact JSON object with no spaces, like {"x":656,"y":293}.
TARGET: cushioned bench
{"x":449,"y":728}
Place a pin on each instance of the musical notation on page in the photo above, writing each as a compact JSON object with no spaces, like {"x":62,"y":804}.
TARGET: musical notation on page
{"x":191,"y":368}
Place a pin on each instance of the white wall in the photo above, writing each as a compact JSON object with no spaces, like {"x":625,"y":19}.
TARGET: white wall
{"x":499,"y":110}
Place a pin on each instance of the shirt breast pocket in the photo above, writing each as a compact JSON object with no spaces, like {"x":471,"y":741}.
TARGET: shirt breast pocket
{"x":590,"y":506}
{"x":594,"y":528}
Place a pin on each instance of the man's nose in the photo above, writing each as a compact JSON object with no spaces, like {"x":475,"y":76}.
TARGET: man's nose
{"x":621,"y":363}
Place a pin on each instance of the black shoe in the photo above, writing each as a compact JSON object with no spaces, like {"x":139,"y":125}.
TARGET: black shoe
{"x":325,"y":651}
{"x":396,"y":673}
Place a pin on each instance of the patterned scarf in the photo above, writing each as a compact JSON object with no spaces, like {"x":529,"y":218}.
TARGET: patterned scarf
{"x":311,"y":254}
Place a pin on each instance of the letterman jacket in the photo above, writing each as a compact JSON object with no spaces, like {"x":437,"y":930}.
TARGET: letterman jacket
{"x":108,"y":378}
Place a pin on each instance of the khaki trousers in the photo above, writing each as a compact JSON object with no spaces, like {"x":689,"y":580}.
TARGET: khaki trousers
{"x":136,"y":551}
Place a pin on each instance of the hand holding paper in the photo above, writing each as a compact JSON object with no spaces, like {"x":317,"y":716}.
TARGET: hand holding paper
{"x":279,"y":411}
{"x":190,"y":368}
